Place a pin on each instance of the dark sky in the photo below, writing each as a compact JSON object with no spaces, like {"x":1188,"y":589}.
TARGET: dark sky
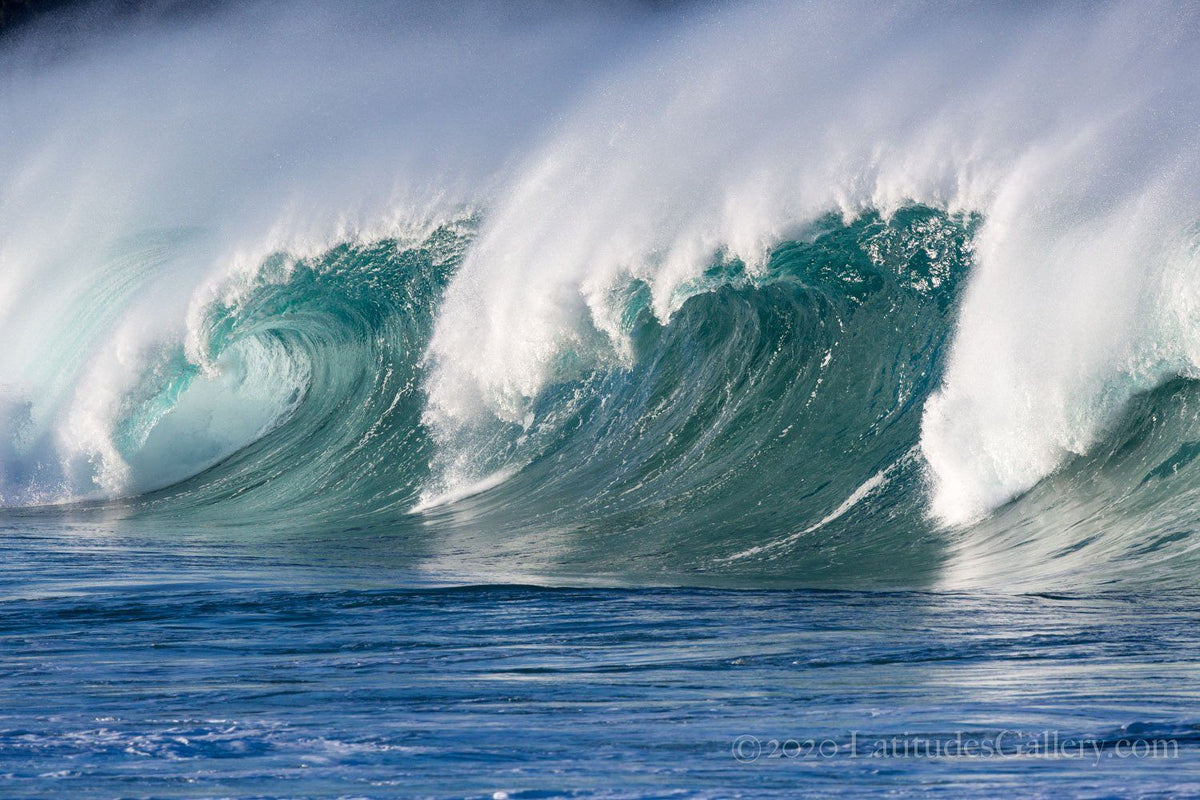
{"x":16,"y":13}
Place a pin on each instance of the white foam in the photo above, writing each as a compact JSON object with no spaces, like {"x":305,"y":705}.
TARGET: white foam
{"x":606,"y":146}
{"x":1072,"y":130}
{"x":245,"y":128}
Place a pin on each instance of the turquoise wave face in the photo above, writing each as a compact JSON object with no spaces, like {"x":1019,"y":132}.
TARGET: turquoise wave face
{"x":727,"y":445}
{"x":766,"y":431}
{"x":766,"y":434}
{"x":339,"y":338}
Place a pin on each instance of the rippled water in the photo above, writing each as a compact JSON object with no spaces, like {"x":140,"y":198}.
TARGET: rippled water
{"x":152,"y":668}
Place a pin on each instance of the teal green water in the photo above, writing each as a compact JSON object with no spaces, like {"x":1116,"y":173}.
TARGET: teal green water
{"x":700,"y":568}
{"x":766,"y":435}
{"x":617,"y":400}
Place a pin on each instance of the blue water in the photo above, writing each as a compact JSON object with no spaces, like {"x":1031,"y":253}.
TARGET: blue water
{"x":630,"y":399}
{"x":709,"y":572}
{"x":141,"y":667}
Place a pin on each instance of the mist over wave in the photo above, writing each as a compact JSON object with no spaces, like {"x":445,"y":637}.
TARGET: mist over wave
{"x":779,"y":291}
{"x":1071,"y":132}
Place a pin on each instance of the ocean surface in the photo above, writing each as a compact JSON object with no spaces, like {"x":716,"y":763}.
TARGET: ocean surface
{"x":140,"y":666}
{"x":688,"y":399}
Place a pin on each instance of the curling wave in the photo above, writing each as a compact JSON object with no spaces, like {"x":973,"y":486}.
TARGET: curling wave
{"x":918,"y":308}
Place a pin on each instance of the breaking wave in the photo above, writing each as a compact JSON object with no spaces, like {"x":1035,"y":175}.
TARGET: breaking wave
{"x":767,"y":294}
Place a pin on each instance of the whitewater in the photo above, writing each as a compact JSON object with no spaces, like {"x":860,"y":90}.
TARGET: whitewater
{"x":599,"y":400}
{"x":757,"y":294}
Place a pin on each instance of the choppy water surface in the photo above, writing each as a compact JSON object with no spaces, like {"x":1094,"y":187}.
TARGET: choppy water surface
{"x":150,"y":669}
